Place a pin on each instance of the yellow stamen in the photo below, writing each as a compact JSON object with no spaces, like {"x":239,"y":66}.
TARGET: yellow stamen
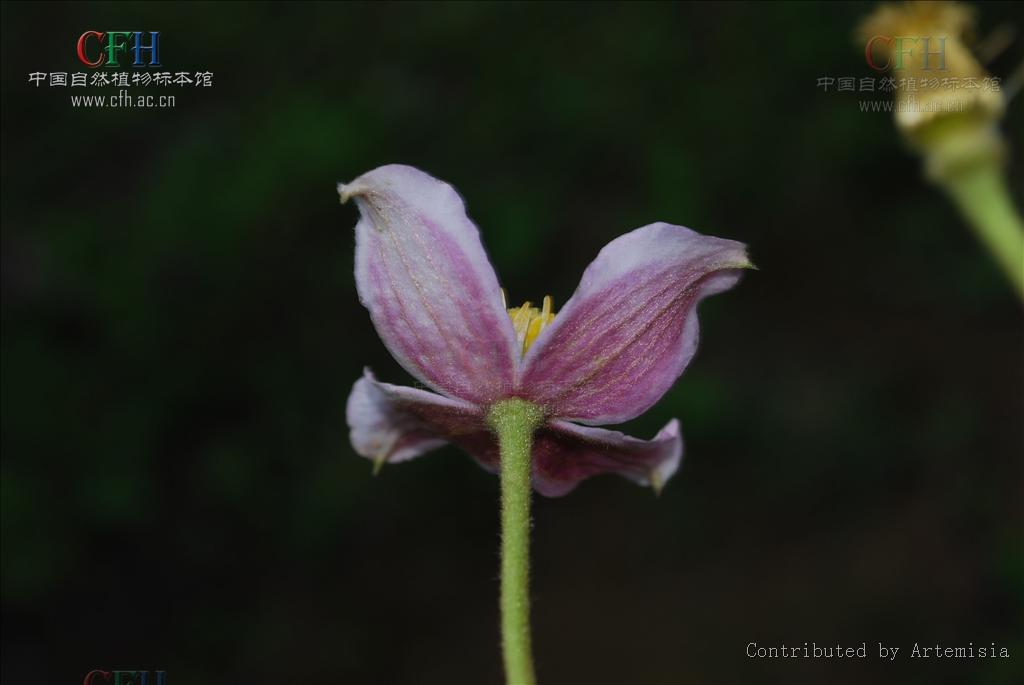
{"x":529,"y":322}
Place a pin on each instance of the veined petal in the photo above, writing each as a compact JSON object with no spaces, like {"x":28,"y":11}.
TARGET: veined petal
{"x":432,"y":294}
{"x":391,"y":423}
{"x":565,"y":453}
{"x":630,"y":328}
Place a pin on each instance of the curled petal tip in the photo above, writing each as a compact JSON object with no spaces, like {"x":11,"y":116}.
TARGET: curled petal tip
{"x":348,"y":191}
{"x":738,"y":259}
{"x":657,"y":484}
{"x":661,"y":473}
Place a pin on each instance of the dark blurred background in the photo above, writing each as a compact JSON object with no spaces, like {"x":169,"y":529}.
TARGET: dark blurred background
{"x":181,"y":330}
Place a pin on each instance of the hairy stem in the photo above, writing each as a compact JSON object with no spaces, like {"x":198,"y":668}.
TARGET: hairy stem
{"x":514,"y":421}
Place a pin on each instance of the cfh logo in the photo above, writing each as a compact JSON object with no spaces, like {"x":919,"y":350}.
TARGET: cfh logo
{"x":906,"y":50}
{"x":104,"y":48}
{"x":98,"y":677}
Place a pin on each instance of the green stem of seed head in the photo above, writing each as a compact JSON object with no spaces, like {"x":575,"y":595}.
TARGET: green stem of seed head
{"x":514,"y":421}
{"x":984,"y":199}
{"x":969,"y":167}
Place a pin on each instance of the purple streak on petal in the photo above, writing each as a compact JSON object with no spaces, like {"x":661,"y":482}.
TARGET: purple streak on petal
{"x":394,"y":423}
{"x":432,"y":294}
{"x":566,"y":453}
{"x":630,"y":329}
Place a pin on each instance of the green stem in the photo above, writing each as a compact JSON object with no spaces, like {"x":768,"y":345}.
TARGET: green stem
{"x":982,"y":196}
{"x":514,"y":421}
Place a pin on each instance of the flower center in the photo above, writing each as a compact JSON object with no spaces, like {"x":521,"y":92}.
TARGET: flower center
{"x":529,"y":321}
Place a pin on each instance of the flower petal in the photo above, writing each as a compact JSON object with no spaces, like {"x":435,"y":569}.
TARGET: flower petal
{"x":630,"y":328}
{"x":432,"y":294}
{"x":565,"y":453}
{"x":391,"y":423}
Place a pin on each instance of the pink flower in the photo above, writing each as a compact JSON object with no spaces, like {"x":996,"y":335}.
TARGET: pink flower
{"x":616,"y":347}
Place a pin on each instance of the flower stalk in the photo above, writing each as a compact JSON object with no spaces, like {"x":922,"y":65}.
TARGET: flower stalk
{"x":514,"y":422}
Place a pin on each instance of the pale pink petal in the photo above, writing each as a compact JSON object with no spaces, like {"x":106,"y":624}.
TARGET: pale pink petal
{"x":432,"y":294}
{"x":391,"y":423}
{"x":630,"y":329}
{"x":566,"y":453}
